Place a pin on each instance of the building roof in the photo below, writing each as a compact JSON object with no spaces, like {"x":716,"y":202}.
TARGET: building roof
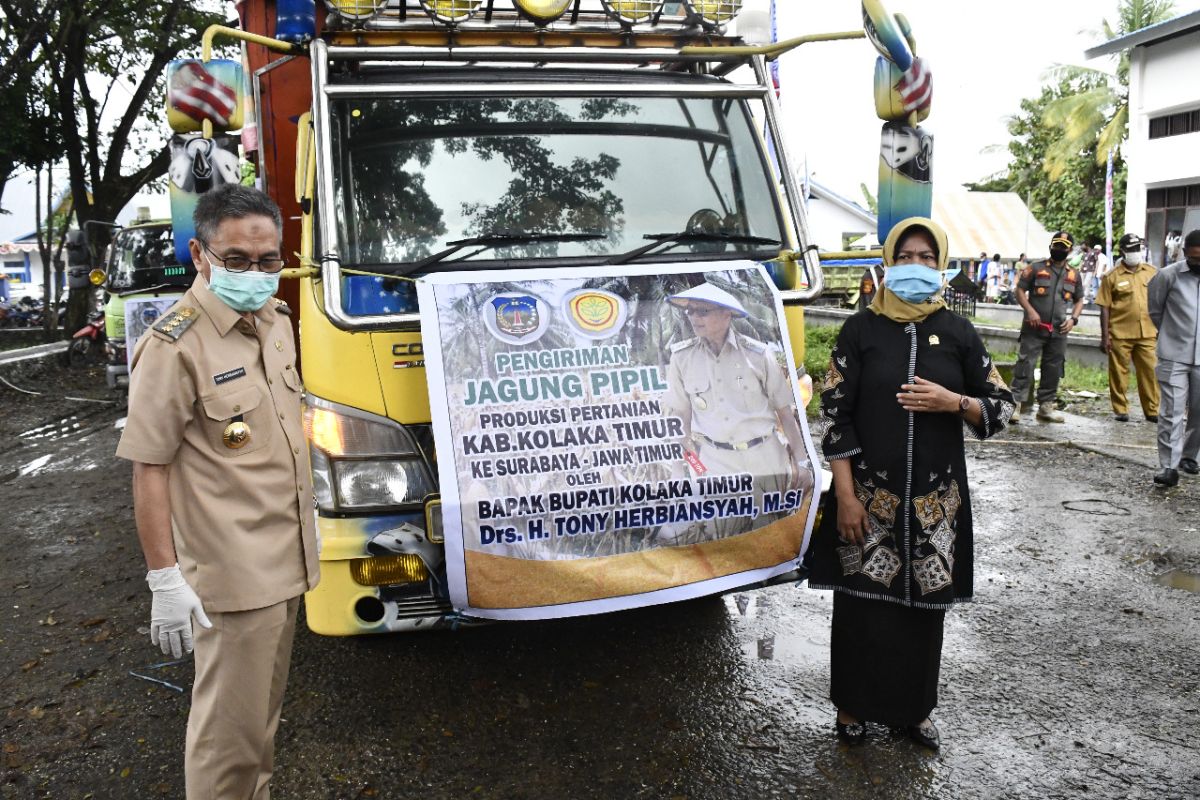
{"x":991,"y":222}
{"x":822,"y":192}
{"x":1178,"y":26}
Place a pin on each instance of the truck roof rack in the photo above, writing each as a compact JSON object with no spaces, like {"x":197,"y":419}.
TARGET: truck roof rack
{"x":496,"y":16}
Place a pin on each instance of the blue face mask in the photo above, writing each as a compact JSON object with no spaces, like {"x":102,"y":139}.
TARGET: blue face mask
{"x":242,"y":291}
{"x":913,"y":283}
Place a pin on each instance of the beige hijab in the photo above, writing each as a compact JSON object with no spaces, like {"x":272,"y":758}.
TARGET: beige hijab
{"x":889,"y":304}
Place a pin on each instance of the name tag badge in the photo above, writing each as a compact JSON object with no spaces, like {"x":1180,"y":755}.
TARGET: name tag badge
{"x":229,"y":375}
{"x":1122,"y":284}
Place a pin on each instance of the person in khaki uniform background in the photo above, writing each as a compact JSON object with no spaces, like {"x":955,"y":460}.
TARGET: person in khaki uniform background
{"x":222,"y":491}
{"x":1126,"y":330}
{"x":732,"y":393}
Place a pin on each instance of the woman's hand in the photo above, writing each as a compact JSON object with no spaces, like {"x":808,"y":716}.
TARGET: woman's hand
{"x":852,"y":520}
{"x":923,"y":395}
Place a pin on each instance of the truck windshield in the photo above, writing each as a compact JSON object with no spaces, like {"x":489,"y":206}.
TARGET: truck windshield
{"x":144,"y":258}
{"x":412,"y":176}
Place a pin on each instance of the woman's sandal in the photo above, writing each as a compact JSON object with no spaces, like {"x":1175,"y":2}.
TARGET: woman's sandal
{"x":925,"y":734}
{"x":852,"y":733}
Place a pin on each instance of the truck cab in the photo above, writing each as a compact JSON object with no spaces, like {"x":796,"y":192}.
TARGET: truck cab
{"x":421,"y":140}
{"x":141,"y":264}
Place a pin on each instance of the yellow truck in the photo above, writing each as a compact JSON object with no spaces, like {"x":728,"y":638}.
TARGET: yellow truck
{"x":405,"y":138}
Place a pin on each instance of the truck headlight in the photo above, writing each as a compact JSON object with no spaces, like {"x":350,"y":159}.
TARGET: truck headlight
{"x":543,"y":12}
{"x":361,"y":461}
{"x":714,"y":13}
{"x":632,"y":12}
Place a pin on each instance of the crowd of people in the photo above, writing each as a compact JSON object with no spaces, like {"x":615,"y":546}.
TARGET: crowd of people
{"x":1148,"y":316}
{"x":907,"y":379}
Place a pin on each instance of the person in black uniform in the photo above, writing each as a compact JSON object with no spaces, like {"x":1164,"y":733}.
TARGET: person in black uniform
{"x":1051,"y":292}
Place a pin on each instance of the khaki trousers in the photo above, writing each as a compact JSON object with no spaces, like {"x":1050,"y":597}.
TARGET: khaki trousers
{"x":241,"y":671}
{"x":1120,"y":351}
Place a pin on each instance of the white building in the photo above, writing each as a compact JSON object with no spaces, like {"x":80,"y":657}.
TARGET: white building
{"x":20,"y":268}
{"x":1163,"y":148}
{"x":834,"y":221}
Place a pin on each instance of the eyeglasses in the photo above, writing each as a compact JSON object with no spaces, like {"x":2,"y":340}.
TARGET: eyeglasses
{"x":693,"y":311}
{"x":910,"y":257}
{"x":241,"y":263}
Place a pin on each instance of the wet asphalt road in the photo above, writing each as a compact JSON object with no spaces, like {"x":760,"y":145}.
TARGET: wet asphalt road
{"x":1073,"y":674}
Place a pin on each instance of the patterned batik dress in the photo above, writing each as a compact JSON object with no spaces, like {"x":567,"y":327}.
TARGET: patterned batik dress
{"x":909,"y":469}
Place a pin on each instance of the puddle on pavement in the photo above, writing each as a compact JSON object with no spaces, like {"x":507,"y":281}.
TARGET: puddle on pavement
{"x":35,"y":466}
{"x":1179,"y":579}
{"x":785,"y":646}
{"x":67,"y":426}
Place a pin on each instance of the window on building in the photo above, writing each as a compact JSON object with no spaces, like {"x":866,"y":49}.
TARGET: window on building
{"x":1175,"y":124}
{"x":1170,"y":213}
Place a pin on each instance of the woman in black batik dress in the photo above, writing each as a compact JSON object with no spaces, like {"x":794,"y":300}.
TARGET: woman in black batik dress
{"x":906,"y":377}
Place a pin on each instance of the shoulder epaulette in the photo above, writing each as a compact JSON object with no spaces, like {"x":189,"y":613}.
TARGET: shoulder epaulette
{"x":172,"y":325}
{"x":753,"y":345}
{"x":281,"y":306}
{"x":686,"y":343}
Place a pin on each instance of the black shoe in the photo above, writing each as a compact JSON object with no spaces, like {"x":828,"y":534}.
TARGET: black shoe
{"x":1168,"y":477}
{"x":852,"y":733}
{"x":1121,"y":417}
{"x":1152,"y":418}
{"x":1190,"y":466}
{"x":925,"y":734}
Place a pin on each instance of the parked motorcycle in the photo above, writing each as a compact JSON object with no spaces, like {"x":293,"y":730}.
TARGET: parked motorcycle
{"x":88,"y":343}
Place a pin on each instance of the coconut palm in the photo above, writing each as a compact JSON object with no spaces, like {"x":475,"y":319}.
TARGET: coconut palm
{"x":1095,"y":118}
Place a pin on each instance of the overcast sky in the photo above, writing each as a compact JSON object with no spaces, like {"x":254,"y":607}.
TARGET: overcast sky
{"x":985,"y":57}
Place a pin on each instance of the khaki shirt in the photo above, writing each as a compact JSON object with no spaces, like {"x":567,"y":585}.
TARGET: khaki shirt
{"x":242,"y":518}
{"x":732,"y":395}
{"x":1123,"y":292}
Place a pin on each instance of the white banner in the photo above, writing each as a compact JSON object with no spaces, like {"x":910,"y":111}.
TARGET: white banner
{"x":614,"y":437}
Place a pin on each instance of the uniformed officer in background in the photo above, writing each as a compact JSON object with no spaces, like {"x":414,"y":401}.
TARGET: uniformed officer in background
{"x":732,"y":393}
{"x":222,"y":492}
{"x":1051,"y":292}
{"x":1174,"y":301}
{"x":1126,"y":330}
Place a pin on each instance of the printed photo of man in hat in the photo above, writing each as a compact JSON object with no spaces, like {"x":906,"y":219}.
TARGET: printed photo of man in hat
{"x":738,"y":409}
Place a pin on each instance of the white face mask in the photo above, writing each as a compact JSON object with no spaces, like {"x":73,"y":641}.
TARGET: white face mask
{"x":1132,"y":258}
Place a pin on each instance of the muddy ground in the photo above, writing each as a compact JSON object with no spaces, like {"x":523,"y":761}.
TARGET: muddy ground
{"x":1075,"y":673}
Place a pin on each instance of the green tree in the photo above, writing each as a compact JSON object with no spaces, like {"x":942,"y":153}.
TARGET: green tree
{"x":1075,"y":201}
{"x":1094,"y":117}
{"x":66,"y":64}
{"x":104,"y":47}
{"x":26,"y":41}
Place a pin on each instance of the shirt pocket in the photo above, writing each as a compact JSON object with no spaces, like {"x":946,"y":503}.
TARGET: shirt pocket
{"x":748,"y":393}
{"x":292,"y":380}
{"x":698,"y":387}
{"x":222,"y":412}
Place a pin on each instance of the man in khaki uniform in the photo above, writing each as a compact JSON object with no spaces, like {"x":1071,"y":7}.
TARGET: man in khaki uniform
{"x":732,"y":393}
{"x":1126,"y":330}
{"x":222,"y":491}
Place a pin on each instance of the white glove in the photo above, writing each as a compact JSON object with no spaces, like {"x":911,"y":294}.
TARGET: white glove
{"x":172,"y":610}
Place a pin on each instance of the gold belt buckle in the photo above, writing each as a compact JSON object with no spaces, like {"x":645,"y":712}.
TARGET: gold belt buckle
{"x":741,"y":445}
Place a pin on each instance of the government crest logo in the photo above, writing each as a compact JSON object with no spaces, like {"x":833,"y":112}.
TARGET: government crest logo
{"x":516,"y":318}
{"x":595,"y":313}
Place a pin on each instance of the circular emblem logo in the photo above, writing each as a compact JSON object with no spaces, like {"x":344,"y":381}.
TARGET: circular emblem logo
{"x":595,"y":313}
{"x":516,"y":318}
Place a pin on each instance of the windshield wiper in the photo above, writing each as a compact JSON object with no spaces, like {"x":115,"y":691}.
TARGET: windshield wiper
{"x":681,"y":237}
{"x":498,"y":239}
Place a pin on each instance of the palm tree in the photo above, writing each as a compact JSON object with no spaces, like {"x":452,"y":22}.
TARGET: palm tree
{"x":1095,"y":118}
